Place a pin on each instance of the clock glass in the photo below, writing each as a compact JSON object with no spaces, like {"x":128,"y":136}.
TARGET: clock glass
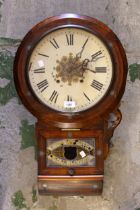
{"x":70,"y":152}
{"x":70,"y":69}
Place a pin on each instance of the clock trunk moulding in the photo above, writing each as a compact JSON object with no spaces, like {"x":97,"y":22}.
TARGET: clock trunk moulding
{"x":70,"y":73}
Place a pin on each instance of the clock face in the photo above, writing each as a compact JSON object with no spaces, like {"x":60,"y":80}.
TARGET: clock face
{"x":70,"y":70}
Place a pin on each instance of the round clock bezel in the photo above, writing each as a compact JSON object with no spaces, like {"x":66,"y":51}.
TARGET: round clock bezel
{"x":74,"y":119}
{"x":42,"y":37}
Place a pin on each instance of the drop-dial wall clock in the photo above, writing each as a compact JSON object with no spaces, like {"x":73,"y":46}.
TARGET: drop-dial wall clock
{"x":70,"y":72}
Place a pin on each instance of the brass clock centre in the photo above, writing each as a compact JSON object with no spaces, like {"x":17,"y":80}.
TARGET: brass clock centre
{"x":69,"y":69}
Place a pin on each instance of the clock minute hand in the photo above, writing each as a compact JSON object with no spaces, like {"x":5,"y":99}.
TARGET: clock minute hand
{"x":79,"y":54}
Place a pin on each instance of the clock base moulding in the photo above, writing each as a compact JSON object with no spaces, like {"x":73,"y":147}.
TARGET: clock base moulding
{"x":68,"y":185}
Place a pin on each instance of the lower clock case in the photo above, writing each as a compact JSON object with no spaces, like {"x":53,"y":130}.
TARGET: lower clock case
{"x":71,"y":164}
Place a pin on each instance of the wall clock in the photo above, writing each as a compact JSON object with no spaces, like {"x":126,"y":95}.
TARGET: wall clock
{"x":70,"y":73}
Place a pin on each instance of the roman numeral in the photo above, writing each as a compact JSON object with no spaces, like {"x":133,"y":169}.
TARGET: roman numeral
{"x":100,"y":69}
{"x":70,"y":39}
{"x":69,"y":98}
{"x":43,"y":55}
{"x":86,"y":96}
{"x":40,"y":70}
{"x":42,"y":85}
{"x":96,"y":55}
{"x":54,"y":96}
{"x":97,"y":85}
{"x":54,"y":43}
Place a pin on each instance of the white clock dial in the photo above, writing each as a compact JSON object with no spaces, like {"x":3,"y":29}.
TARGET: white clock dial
{"x":70,"y":70}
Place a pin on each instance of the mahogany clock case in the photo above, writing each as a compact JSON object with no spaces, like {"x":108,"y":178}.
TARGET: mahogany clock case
{"x":70,"y":120}
{"x":91,"y":123}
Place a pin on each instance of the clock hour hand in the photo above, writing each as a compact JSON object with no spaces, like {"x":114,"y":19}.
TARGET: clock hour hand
{"x":85,"y":66}
{"x":87,"y":63}
{"x":91,"y":70}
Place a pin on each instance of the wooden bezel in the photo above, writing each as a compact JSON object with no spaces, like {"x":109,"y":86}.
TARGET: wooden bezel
{"x":70,"y":120}
{"x":64,"y":171}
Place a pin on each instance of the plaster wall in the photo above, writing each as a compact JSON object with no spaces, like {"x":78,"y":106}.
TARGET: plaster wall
{"x":18,"y":167}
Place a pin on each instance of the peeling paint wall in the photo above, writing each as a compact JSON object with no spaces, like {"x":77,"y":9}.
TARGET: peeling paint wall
{"x":18,"y":166}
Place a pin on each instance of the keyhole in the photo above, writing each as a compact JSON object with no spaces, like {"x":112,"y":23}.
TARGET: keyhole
{"x":70,"y":153}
